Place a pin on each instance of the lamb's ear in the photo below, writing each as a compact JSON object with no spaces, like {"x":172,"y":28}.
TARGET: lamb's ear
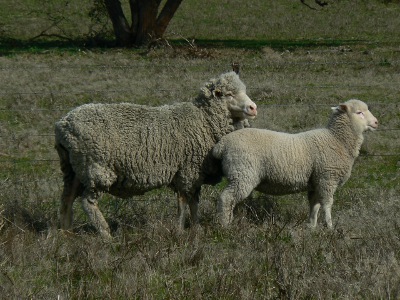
{"x":340,"y":108}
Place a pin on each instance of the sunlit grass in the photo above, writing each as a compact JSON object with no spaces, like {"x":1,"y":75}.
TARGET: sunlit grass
{"x":296,"y":63}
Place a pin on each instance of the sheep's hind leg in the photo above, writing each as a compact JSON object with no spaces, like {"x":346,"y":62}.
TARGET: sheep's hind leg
{"x":230,"y":196}
{"x":89,"y":204}
{"x":182,"y":201}
{"x":70,"y":192}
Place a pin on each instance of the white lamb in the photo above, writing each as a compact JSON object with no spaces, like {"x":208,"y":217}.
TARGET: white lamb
{"x":276,"y":163}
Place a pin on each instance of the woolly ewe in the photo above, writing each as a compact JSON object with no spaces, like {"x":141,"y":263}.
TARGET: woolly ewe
{"x":127,"y":149}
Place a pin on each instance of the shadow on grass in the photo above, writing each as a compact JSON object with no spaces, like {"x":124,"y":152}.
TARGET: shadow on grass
{"x":13,"y":46}
{"x":275,"y":44}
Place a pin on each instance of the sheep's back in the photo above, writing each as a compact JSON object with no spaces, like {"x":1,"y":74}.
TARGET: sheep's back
{"x":144,"y":147}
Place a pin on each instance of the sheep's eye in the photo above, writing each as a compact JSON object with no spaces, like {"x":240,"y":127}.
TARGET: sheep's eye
{"x":359,"y":113}
{"x":218,"y":93}
{"x":229,"y":94}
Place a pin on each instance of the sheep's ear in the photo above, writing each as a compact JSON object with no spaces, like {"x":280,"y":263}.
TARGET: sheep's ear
{"x":236,"y":67}
{"x":340,"y":108}
{"x":217,"y":93}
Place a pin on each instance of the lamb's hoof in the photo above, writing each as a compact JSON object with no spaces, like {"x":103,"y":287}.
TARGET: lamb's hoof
{"x":310,"y":226}
{"x":105,"y":235}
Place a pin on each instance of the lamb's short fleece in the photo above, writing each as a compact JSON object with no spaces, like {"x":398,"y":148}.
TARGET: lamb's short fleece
{"x":276,"y":163}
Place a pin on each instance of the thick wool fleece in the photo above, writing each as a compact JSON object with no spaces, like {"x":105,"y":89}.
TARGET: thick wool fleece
{"x":111,"y":152}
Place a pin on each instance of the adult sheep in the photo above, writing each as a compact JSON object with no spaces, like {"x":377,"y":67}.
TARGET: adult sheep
{"x":127,"y":149}
{"x":276,"y":163}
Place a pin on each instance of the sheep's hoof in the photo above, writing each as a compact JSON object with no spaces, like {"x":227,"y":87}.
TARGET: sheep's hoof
{"x":66,"y":232}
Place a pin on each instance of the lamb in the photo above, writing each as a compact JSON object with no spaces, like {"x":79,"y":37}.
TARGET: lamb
{"x":318,"y":161}
{"x":127,"y":149}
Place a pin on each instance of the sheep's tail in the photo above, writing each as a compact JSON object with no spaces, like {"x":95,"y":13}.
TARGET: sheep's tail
{"x":72,"y":187}
{"x":69,"y":176}
{"x":218,"y":150}
{"x":65,"y":164}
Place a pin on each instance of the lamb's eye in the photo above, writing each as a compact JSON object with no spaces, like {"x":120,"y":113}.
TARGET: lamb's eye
{"x":361,"y":114}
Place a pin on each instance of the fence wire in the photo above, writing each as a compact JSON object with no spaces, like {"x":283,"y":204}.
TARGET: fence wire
{"x":44,"y":172}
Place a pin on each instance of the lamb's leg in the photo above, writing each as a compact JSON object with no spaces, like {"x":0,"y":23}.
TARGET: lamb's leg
{"x":326,"y":203}
{"x":321,"y":198}
{"x":314,"y":208}
{"x":70,"y":192}
{"x":230,"y":196}
{"x":327,"y":207}
{"x":89,"y":204}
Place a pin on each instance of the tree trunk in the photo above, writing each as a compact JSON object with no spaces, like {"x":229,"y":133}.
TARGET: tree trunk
{"x":165,"y":16}
{"x":122,"y":31}
{"x":147,"y":21}
{"x":146,"y":25}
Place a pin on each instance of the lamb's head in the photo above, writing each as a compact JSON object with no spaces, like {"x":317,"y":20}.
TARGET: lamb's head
{"x":359,"y":115}
{"x":229,"y":89}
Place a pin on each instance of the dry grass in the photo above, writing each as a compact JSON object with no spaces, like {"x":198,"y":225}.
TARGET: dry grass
{"x":268,"y":253}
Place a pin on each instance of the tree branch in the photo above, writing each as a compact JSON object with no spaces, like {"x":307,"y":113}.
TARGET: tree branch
{"x":319,"y":2}
{"x":166,"y":15}
{"x":54,"y":24}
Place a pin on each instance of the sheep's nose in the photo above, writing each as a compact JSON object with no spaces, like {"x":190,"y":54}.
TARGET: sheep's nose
{"x":253,"y":109}
{"x":374,"y":123}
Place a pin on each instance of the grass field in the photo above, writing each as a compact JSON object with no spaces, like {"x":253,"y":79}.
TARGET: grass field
{"x":296,"y":63}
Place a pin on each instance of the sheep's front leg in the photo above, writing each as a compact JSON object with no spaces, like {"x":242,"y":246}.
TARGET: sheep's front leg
{"x":89,"y":204}
{"x":326,"y":203}
{"x":194,"y":207}
{"x":320,"y":198}
{"x":327,"y":207}
{"x":193,"y":201}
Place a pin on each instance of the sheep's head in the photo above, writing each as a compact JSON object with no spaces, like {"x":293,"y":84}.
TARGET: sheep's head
{"x":229,"y":89}
{"x":360,"y":116}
